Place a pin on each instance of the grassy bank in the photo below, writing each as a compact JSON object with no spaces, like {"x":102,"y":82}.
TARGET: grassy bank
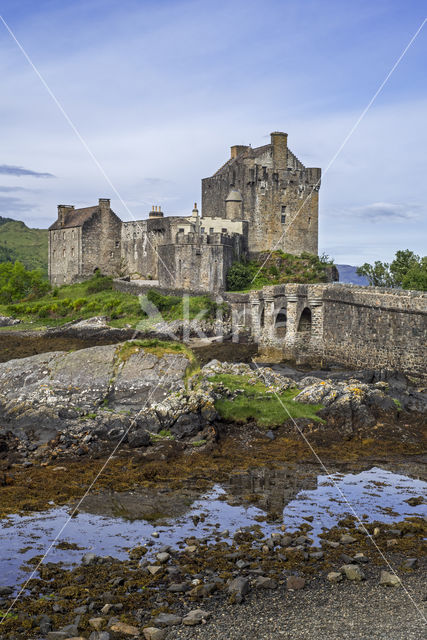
{"x":96,"y":297}
{"x":257,"y":402}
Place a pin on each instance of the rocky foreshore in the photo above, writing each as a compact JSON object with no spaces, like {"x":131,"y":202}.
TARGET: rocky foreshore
{"x":158,"y":593}
{"x":82,"y":401}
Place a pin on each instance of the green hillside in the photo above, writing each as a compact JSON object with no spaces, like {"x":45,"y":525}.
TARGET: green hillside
{"x":19,"y":242}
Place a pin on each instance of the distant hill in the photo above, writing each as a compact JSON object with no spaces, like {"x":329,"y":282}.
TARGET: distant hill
{"x":348,"y":275}
{"x":19,"y":242}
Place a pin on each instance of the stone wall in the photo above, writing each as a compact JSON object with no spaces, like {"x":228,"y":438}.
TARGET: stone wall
{"x":65,"y":255}
{"x":101,"y":243}
{"x":359,"y":327}
{"x":198,"y":262}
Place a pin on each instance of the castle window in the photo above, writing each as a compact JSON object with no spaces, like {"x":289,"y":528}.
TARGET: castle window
{"x":180,"y":230}
{"x":283,"y":218}
{"x":264,"y":173}
{"x":112,"y":254}
{"x":117,"y":244}
{"x":211,"y":230}
{"x":305,"y":320}
{"x":251,"y":175}
{"x":72,"y":252}
{"x":276,"y":177}
{"x":309,"y":221}
{"x":223,"y":230}
{"x":283,"y":214}
{"x":202,"y":229}
{"x":63,"y":253}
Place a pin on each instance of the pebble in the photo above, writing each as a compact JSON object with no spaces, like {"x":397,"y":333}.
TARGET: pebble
{"x":167,"y":620}
{"x":361,"y":558}
{"x":97,"y":623}
{"x":352,"y":572}
{"x":295,"y":583}
{"x":346,"y":539}
{"x":153,"y":633}
{"x":154,"y":568}
{"x":163,"y":557}
{"x":335,"y":576}
{"x":126,"y":629}
{"x":196,"y":616}
{"x":389,"y":579}
{"x":155,"y":534}
{"x":410,"y":563}
{"x":238,"y":588}
{"x":265,"y":583}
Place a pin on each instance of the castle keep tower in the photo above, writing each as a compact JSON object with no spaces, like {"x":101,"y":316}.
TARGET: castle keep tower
{"x":273,"y":191}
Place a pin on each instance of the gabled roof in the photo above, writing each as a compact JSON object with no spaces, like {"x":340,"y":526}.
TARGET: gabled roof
{"x":255,"y":153}
{"x":75,"y":218}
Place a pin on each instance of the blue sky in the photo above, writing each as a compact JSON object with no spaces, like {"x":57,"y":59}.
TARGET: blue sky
{"x":161,"y":90}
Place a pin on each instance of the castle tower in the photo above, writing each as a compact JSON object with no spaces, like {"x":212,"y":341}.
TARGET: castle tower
{"x":234,"y":205}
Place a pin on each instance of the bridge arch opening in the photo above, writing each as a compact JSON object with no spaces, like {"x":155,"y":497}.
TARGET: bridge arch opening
{"x":280,"y":322}
{"x":304,"y":324}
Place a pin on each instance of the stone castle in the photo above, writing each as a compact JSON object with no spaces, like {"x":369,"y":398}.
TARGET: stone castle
{"x":261,"y":199}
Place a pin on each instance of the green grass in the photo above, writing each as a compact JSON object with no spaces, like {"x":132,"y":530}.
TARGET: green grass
{"x":19,"y":242}
{"x":73,"y":302}
{"x":174,"y":307}
{"x":277,"y":267}
{"x":267,"y":409}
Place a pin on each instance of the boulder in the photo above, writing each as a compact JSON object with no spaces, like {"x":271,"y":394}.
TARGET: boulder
{"x":167,"y":620}
{"x":153,"y":633}
{"x":238,"y":588}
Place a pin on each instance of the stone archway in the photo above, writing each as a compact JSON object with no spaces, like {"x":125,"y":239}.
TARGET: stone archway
{"x":304,"y":324}
{"x":280,"y":323}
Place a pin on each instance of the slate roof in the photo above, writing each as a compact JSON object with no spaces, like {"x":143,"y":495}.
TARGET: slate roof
{"x":75,"y":218}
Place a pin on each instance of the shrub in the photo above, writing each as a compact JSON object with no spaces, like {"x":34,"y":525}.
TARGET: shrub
{"x":99,"y":283}
{"x":79,"y":303}
{"x":162,"y":302}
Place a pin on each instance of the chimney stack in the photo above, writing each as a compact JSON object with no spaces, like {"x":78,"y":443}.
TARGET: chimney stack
{"x":156,"y":212}
{"x":63,"y":209}
{"x":279,"y":142}
{"x":237,"y":149}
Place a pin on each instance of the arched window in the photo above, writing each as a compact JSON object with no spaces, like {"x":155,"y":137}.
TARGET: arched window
{"x":305,"y":320}
{"x":280,"y":323}
{"x":262,"y":318}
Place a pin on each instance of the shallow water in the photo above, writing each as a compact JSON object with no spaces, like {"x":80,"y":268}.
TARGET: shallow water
{"x":375,"y":494}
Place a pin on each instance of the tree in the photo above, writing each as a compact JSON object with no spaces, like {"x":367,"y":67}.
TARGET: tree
{"x":16,"y":283}
{"x":402,"y":263}
{"x":378,"y":274}
{"x":407,"y":271}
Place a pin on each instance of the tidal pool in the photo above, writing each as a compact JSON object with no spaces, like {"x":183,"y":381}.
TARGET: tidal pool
{"x":374,"y":494}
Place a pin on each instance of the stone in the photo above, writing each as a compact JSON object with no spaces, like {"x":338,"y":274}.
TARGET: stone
{"x":99,"y":635}
{"x":167,"y":620}
{"x":410,"y":563}
{"x":153,"y":633}
{"x":57,"y":635}
{"x":179,"y":587}
{"x":347,"y":539}
{"x":263,"y":582}
{"x":335,"y":576}
{"x":352,"y":572}
{"x":295,"y":583}
{"x":191,"y":548}
{"x":97,"y":623}
{"x":238,"y":588}
{"x":163,"y":557}
{"x":388,"y":579}
{"x":317,"y":555}
{"x":6,"y":591}
{"x":196,"y":616}
{"x":126,"y":629}
{"x":89,"y":558}
{"x":332,"y":543}
{"x":361,"y":558}
{"x":139,"y":438}
{"x":154,"y":568}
